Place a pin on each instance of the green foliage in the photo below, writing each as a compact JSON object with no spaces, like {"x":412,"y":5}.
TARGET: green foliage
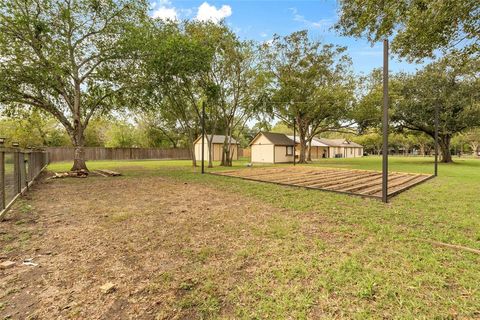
{"x":470,"y":138}
{"x":282,"y":127}
{"x":177,"y":60}
{"x":67,"y":58}
{"x":121,"y":135}
{"x":367,"y":111}
{"x":310,"y":84}
{"x":446,"y":85}
{"x":33,"y":128}
{"x":371,"y":142}
{"x":419,"y":28}
{"x":195,"y":63}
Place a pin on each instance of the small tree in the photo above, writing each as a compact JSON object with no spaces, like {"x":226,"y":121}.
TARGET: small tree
{"x":424,"y":142}
{"x":173,"y":75}
{"x":310,"y":84}
{"x":67,"y":58}
{"x":371,"y":142}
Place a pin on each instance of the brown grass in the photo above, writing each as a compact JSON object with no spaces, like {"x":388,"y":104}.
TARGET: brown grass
{"x":173,"y":250}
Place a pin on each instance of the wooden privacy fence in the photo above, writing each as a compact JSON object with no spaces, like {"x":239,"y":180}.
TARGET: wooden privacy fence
{"x":245,"y":153}
{"x":18,"y":170}
{"x":101,"y":153}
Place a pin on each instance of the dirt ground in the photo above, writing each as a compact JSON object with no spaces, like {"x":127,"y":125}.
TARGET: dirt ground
{"x":172,"y":250}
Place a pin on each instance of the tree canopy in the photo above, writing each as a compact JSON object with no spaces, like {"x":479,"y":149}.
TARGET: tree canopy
{"x":419,"y":28}
{"x":450,"y":87}
{"x":67,"y":58}
{"x":310,"y":84}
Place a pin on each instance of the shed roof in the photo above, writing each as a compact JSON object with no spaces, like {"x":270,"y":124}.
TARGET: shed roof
{"x":278,"y":139}
{"x":339,"y":143}
{"x":281,"y":139}
{"x":315,"y":141}
{"x":216,"y":139}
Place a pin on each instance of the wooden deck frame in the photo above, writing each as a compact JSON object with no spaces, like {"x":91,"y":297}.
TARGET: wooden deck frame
{"x":362,"y":183}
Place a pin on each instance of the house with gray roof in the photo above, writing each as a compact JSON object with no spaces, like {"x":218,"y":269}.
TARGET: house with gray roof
{"x":270,"y":147}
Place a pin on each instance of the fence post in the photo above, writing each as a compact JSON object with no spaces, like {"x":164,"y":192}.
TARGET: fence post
{"x":2,"y":180}
{"x":28,"y":164}
{"x":16,"y":172}
{"x":22,"y":171}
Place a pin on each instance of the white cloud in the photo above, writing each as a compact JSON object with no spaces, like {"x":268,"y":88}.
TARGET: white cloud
{"x":163,"y":9}
{"x":165,"y":13}
{"x":322,"y":23}
{"x":208,"y":12}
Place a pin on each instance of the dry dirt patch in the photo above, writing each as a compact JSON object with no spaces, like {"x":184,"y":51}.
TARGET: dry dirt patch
{"x":171,"y":249}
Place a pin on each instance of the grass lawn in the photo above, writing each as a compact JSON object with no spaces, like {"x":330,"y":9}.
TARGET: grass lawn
{"x":253,"y":250}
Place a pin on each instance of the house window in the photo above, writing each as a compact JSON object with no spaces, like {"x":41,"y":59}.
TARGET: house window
{"x":289,"y":151}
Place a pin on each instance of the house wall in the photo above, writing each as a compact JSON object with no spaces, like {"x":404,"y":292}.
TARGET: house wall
{"x":332,"y":151}
{"x":217,"y":151}
{"x":262,"y":153}
{"x":346,"y":152}
{"x":281,"y":155}
{"x":317,"y":152}
{"x":353,"y":152}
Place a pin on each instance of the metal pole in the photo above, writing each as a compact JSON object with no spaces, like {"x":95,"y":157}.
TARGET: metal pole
{"x":385,"y":124}
{"x":436,"y":138}
{"x":203,"y":137}
{"x":294,"y":140}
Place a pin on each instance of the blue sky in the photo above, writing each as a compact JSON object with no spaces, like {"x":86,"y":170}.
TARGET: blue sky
{"x":260,"y":20}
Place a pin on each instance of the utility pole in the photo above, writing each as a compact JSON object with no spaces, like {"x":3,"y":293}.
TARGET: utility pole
{"x":203,"y":137}
{"x":385,"y":124}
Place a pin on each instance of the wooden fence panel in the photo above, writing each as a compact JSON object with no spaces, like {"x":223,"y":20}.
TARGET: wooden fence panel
{"x":244,"y":153}
{"x":100,"y":153}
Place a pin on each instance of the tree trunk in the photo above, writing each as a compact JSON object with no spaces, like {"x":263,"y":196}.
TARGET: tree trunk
{"x":194,"y":160}
{"x":444,"y":142}
{"x":226,"y":159}
{"x":474,"y":147}
{"x":309,"y":154}
{"x":303,"y":144}
{"x":192,"y":150}
{"x":422,"y":150}
{"x":210,"y":152}
{"x":79,"y":159}
{"x":78,"y":141}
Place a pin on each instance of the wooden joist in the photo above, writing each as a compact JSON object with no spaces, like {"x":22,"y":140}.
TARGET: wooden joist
{"x":365,"y":183}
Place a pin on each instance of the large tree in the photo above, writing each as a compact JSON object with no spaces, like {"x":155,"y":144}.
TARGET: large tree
{"x":451,"y":88}
{"x":67,"y":58}
{"x":240,"y":82}
{"x":310,"y":85}
{"x":177,"y":60}
{"x":419,"y":28}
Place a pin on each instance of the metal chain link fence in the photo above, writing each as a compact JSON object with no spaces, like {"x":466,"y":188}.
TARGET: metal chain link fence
{"x":18,"y":170}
